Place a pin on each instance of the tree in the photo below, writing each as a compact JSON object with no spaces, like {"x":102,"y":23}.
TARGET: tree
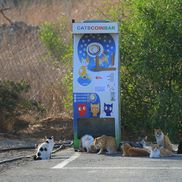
{"x":151,"y":63}
{"x":151,"y":83}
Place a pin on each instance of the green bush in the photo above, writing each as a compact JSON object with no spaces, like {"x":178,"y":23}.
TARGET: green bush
{"x":151,"y":63}
{"x":57,"y":39}
{"x":13,"y":102}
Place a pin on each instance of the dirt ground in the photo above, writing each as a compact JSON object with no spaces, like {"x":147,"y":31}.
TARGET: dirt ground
{"x":31,"y":136}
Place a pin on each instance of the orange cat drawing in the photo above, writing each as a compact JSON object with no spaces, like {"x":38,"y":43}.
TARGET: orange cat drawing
{"x":94,"y":109}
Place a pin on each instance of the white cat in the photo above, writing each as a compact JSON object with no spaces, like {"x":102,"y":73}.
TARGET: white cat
{"x":155,"y":152}
{"x":87,"y":142}
{"x":45,"y":149}
{"x":158,"y":151}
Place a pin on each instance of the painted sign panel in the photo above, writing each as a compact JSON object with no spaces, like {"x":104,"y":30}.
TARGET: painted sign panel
{"x":96,"y":76}
{"x":84,"y":28}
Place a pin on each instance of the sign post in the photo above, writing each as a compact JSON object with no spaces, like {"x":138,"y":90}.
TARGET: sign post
{"x":96,"y":108}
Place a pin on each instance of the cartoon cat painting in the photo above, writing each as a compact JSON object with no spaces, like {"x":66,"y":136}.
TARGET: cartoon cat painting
{"x":108,"y":109}
{"x":95,"y":109}
{"x":82,"y":109}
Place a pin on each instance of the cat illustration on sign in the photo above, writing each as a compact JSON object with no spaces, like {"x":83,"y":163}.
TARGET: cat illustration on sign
{"x":84,"y":78}
{"x":82,"y":109}
{"x":95,"y":109}
{"x":108,"y":109}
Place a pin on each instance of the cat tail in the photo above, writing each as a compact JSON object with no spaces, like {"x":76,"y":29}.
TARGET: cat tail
{"x":176,"y":155}
{"x":120,"y":146}
{"x":174,"y":151}
{"x":81,"y":149}
{"x":37,"y":158}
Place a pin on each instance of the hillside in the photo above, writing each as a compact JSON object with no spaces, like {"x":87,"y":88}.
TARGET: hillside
{"x":24,"y":57}
{"x":35,"y":12}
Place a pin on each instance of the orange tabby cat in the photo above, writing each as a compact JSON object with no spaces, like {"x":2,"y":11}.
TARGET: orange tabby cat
{"x":105,"y":143}
{"x":162,"y":140}
{"x":128,"y":150}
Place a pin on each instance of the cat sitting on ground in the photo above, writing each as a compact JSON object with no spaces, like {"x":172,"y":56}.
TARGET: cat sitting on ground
{"x":130,"y":151}
{"x":106,"y":143}
{"x":157,"y":151}
{"x":163,"y":140}
{"x":87,"y":143}
{"x":45,"y":149}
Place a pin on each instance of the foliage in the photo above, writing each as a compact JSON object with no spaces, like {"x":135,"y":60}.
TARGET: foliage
{"x":12,"y":100}
{"x":151,"y":82}
{"x":151,"y":63}
{"x":56,"y":38}
{"x":68,"y":84}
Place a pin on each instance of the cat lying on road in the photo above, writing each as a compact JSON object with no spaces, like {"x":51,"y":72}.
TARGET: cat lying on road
{"x":130,"y":151}
{"x":158,"y":151}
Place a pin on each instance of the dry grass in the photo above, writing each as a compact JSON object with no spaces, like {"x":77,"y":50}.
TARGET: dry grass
{"x":23,"y":57}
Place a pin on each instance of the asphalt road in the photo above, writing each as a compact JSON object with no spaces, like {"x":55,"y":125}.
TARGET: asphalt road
{"x":70,"y":166}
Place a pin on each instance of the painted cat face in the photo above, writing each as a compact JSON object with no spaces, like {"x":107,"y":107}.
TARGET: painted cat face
{"x":95,"y":109}
{"x":82,"y":109}
{"x":108,"y":109}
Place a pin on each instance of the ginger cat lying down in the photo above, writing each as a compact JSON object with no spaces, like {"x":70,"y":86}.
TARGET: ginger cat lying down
{"x":106,"y":143}
{"x":130,"y":151}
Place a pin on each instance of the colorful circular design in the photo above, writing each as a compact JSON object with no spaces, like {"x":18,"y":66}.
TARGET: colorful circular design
{"x":94,"y":49}
{"x":100,"y":45}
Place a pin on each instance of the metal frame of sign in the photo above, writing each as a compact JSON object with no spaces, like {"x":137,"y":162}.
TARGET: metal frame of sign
{"x":96,"y":88}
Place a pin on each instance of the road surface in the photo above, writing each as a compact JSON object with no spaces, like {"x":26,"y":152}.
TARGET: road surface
{"x":70,"y":166}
